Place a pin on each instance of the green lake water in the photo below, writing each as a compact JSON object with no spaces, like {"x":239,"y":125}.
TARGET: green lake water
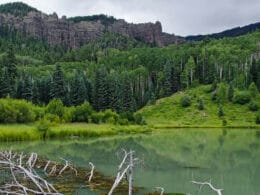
{"x":172,"y":158}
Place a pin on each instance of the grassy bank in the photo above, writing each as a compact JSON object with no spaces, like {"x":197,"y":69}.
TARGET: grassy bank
{"x":23,"y":132}
{"x":168,"y":112}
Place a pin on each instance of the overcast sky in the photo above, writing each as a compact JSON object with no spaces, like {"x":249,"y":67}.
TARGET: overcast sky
{"x":181,"y":17}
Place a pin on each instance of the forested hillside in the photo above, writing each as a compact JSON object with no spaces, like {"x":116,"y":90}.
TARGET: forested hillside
{"x":117,"y":72}
{"x":121,"y":73}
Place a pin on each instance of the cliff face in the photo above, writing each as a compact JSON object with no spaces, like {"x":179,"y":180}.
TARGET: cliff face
{"x":74,"y":34}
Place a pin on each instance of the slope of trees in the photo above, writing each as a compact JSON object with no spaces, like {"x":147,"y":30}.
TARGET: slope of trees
{"x":121,"y":74}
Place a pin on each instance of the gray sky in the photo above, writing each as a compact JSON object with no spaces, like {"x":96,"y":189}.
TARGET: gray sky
{"x":181,"y":17}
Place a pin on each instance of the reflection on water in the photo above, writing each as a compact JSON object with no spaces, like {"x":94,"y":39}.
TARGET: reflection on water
{"x":230,"y":158}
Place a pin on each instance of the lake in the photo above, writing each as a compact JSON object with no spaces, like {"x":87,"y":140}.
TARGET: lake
{"x":172,"y":158}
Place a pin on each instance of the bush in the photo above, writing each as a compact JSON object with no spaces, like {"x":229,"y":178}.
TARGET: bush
{"x":242,"y":98}
{"x":201,"y":104}
{"x":109,"y":116}
{"x":220,"y":111}
{"x":43,"y":127}
{"x":24,"y":110}
{"x":224,"y":122}
{"x":185,"y":101}
{"x":253,"y":90}
{"x":257,"y":120}
{"x":253,"y":106}
{"x":139,"y":120}
{"x":128,"y":116}
{"x":53,"y":118}
{"x":55,"y":107}
{"x":221,"y":93}
{"x":17,"y":111}
{"x":96,"y":117}
{"x":123,"y":121}
{"x":82,"y":113}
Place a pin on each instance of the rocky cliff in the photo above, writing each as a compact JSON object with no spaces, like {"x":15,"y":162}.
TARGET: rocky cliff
{"x":72,"y":34}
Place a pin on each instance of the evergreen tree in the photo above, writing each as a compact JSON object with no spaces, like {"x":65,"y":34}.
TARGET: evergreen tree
{"x":167,"y":82}
{"x":174,"y":80}
{"x":58,"y":83}
{"x":27,"y":88}
{"x":101,"y":92}
{"x":128,"y":102}
{"x":19,"y":88}
{"x":10,"y":63}
{"x":190,"y":69}
{"x":115,"y":97}
{"x":35,"y":92}
{"x":253,"y":71}
{"x":78,"y":89}
{"x":5,"y":86}
{"x":230,"y":92}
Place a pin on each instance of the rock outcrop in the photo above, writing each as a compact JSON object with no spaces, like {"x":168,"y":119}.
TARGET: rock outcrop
{"x":57,"y":30}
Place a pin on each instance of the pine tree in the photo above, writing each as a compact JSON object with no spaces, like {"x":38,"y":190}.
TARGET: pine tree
{"x":58,"y":83}
{"x":5,"y":86}
{"x":253,"y":71}
{"x":19,"y":88}
{"x":174,"y":80}
{"x":101,"y":92}
{"x":35,"y":92}
{"x":27,"y":88}
{"x":167,"y":85}
{"x":10,"y":63}
{"x":230,"y":92}
{"x":128,"y":102}
{"x":78,"y":91}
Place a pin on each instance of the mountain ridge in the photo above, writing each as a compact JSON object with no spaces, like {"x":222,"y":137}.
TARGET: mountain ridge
{"x":74,"y":34}
{"x":233,"y":32}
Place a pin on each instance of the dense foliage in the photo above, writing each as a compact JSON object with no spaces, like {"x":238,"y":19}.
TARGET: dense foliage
{"x":104,"y":19}
{"x":21,"y":111}
{"x":122,"y":74}
{"x":16,"y":9}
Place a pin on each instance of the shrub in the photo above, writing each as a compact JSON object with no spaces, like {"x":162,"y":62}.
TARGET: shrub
{"x":221,"y":93}
{"x":185,"y":101}
{"x":43,"y":126}
{"x":214,"y":96}
{"x":230,"y":92}
{"x":201,"y":104}
{"x":253,"y":106}
{"x":96,"y":117}
{"x":108,"y":115}
{"x":123,"y":121}
{"x":53,"y":118}
{"x":139,"y":120}
{"x":128,"y":116}
{"x":253,"y":90}
{"x":55,"y":107}
{"x":220,"y":111}
{"x":82,"y":113}
{"x":257,"y":120}
{"x":242,"y":98}
{"x":24,"y":110}
{"x":224,"y":122}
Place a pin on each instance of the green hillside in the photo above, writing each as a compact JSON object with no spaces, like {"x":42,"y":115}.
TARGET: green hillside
{"x":168,"y":112}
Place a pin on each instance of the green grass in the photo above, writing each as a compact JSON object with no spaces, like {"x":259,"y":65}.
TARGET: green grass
{"x":167,"y":112}
{"x":23,"y":132}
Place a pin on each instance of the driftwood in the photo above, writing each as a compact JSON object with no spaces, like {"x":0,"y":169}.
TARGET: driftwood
{"x":202,"y":184}
{"x":21,"y":178}
{"x":125,"y":168}
{"x":160,"y":189}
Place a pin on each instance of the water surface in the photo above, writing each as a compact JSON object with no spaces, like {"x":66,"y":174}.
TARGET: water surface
{"x":172,"y":158}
